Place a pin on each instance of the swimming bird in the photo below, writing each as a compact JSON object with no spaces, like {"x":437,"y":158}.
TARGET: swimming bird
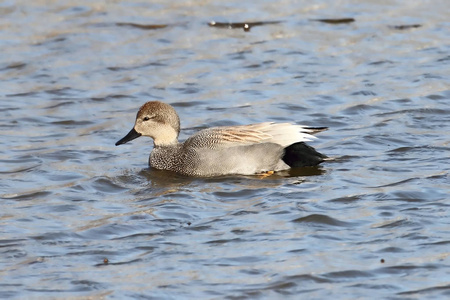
{"x":243,"y":149}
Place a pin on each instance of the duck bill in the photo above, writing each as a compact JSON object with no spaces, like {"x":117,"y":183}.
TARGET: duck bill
{"x":133,"y":134}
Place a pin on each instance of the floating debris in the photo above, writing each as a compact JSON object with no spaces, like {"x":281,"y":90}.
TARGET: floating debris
{"x":244,"y":25}
{"x":143,"y":26}
{"x":404,"y":27}
{"x":335,"y":21}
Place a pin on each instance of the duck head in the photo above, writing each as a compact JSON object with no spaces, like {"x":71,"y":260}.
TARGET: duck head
{"x":157,"y":120}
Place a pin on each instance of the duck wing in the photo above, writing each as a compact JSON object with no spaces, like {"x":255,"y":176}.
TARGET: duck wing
{"x":283,"y":134}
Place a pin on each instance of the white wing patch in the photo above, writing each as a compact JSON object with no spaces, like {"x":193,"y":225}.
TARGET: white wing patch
{"x":286,"y":134}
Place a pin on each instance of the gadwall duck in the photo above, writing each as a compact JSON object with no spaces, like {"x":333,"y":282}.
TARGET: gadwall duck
{"x":246,"y":149}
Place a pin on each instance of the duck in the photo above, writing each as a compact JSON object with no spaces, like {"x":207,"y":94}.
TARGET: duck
{"x":262,"y":148}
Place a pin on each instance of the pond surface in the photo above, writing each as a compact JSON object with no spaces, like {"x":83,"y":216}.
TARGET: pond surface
{"x":82,"y":218}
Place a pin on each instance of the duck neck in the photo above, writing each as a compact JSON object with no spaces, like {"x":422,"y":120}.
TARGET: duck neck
{"x":169,"y":138}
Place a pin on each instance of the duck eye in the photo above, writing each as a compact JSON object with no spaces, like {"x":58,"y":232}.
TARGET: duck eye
{"x":146,"y":119}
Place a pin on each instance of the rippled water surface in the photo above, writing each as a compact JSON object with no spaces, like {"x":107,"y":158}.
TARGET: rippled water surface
{"x":82,"y":218}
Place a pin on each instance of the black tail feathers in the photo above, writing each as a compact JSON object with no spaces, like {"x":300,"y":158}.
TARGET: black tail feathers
{"x":301,"y":155}
{"x":314,"y":130}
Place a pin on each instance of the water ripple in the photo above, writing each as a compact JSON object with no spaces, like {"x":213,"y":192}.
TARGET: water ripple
{"x":82,"y":218}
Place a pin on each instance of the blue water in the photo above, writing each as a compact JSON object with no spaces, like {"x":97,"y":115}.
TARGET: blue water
{"x":82,"y":218}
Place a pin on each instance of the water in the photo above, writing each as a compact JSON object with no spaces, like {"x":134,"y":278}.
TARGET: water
{"x":83,"y":218}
